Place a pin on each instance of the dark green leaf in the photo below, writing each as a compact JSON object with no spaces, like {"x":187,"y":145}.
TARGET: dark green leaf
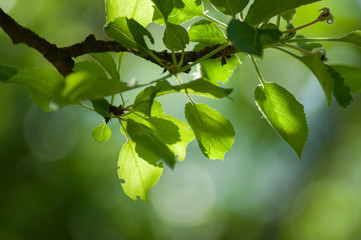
{"x":214,"y":133}
{"x":251,"y":40}
{"x":139,"y":10}
{"x":315,"y":64}
{"x":340,"y":91}
{"x":108,"y":63}
{"x":129,"y":33}
{"x":138,"y":175}
{"x":184,"y":10}
{"x":90,"y":67}
{"x":206,"y":34}
{"x":230,"y":7}
{"x":262,"y":10}
{"x":102,"y":133}
{"x":102,"y":107}
{"x":82,"y":86}
{"x":41,"y":84}
{"x":284,"y":113}
{"x":148,"y":144}
{"x":144,"y":100}
{"x":6,"y":73}
{"x":352,"y":76}
{"x":165,"y":7}
{"x":213,"y":71}
{"x":175,"y":37}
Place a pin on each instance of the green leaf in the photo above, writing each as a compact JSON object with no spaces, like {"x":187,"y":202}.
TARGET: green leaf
{"x":284,"y":113}
{"x":289,"y":15}
{"x":351,"y":74}
{"x":251,"y":40}
{"x":102,"y":133}
{"x":165,"y":7}
{"x":341,"y":92}
{"x":82,"y":86}
{"x":213,"y":71}
{"x":321,"y":71}
{"x":138,"y":175}
{"x":144,"y":100}
{"x":198,"y":87}
{"x":262,"y":10}
{"x":6,"y":73}
{"x":230,"y":7}
{"x":108,"y":63}
{"x":353,"y":37}
{"x":129,"y":33}
{"x":175,"y":37}
{"x":102,"y":107}
{"x":214,"y":133}
{"x":139,"y":10}
{"x":184,"y":10}
{"x":148,"y":144}
{"x":41,"y":84}
{"x":206,"y":33}
{"x":90,"y":67}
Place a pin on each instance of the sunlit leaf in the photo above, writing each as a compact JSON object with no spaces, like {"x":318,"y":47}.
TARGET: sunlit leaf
{"x":184,"y":10}
{"x":102,"y":133}
{"x":129,"y":33}
{"x":262,"y":10}
{"x":206,"y":33}
{"x":149,"y":145}
{"x":214,"y":133}
{"x":284,"y":113}
{"x":139,"y":10}
{"x":137,"y":175}
{"x":175,"y":37}
{"x":230,"y":7}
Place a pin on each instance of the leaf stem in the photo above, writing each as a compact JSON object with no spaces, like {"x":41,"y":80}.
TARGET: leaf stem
{"x":205,"y":57}
{"x":297,"y":48}
{"x":186,"y":92}
{"x":85,"y":106}
{"x":260,"y":77}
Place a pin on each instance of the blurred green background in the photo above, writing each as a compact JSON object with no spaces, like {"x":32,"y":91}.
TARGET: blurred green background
{"x":56,"y":182}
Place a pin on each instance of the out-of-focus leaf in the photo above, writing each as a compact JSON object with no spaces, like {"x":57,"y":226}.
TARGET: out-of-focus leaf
{"x":353,"y":37}
{"x":82,"y":86}
{"x":175,"y":37}
{"x":206,"y":33}
{"x":251,"y":40}
{"x":289,"y":15}
{"x":149,"y":145}
{"x":284,"y":113}
{"x":139,"y":10}
{"x":214,"y":133}
{"x":341,"y":92}
{"x":262,"y":10}
{"x":41,"y":84}
{"x":6,"y":73}
{"x":351,"y":74}
{"x":108,"y":63}
{"x":102,"y":133}
{"x":230,"y":7}
{"x":138,"y":175}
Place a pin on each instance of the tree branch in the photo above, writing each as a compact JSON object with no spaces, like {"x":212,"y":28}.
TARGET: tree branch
{"x":61,"y":58}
